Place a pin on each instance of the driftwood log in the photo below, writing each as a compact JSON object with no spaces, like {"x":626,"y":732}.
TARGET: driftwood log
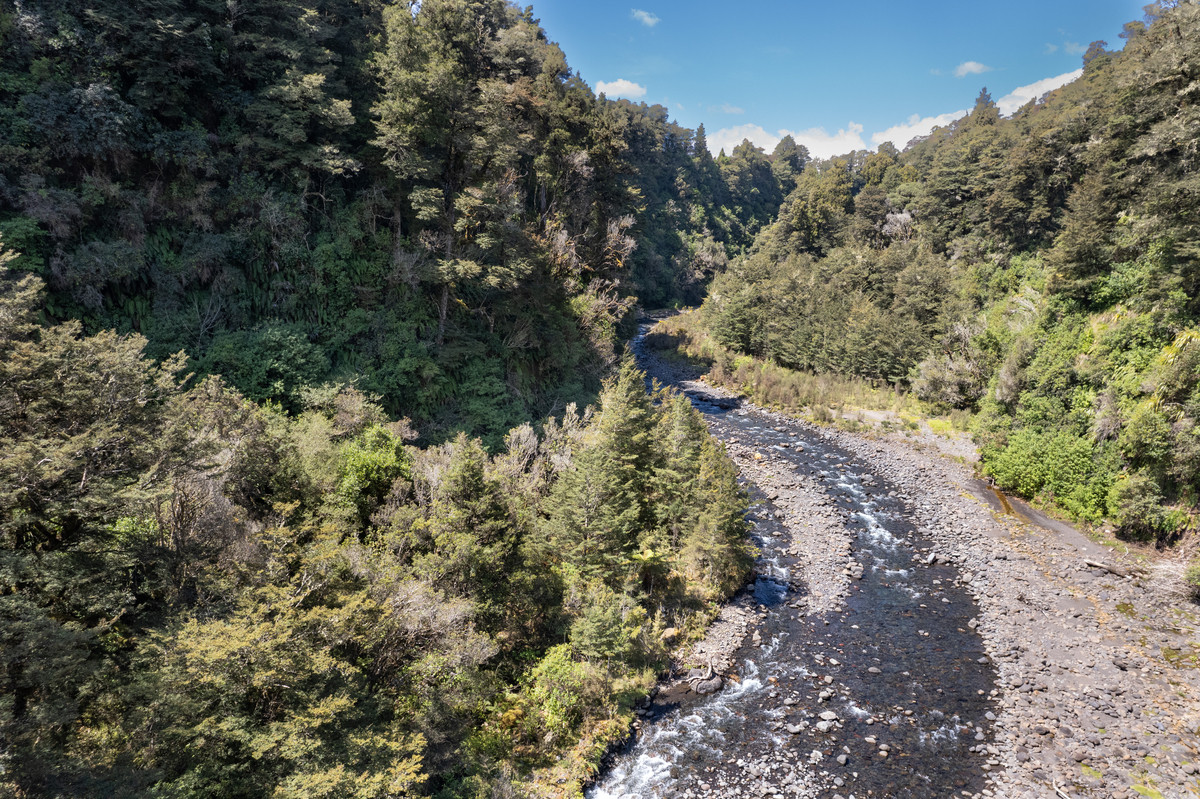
{"x":705,"y":681}
{"x":1117,"y":570}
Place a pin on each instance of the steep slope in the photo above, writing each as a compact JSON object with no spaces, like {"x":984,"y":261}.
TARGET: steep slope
{"x":1039,"y":270}
{"x":421,"y":199}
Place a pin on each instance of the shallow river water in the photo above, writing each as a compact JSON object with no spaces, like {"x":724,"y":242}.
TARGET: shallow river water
{"x":901,"y":653}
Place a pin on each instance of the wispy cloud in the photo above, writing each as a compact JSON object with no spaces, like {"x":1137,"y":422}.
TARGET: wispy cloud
{"x":1075,"y":48}
{"x":970,"y":68}
{"x":820,"y":142}
{"x":726,"y":108}
{"x":645,"y":17}
{"x":1019,"y":96}
{"x":621,"y":88}
{"x":916,"y":125}
{"x":1051,"y":49}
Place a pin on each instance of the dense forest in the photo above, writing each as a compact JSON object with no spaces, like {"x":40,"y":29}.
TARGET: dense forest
{"x":205,"y":597}
{"x":428,"y":204}
{"x":322,"y":472}
{"x":322,"y":469}
{"x":1040,"y":271}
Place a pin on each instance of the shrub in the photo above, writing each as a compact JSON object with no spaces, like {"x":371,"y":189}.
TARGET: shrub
{"x":1019,"y":467}
{"x":1076,"y":476}
{"x":607,"y":625}
{"x":1146,"y":438}
{"x":370,"y":464}
{"x":1135,"y":507}
{"x":271,"y":362}
{"x":1061,"y":465}
{"x":957,"y":376}
{"x":1191,"y":578}
{"x":1185,"y":463}
{"x":560,"y":689}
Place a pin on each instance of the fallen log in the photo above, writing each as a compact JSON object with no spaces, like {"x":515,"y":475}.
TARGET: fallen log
{"x":1095,"y":564}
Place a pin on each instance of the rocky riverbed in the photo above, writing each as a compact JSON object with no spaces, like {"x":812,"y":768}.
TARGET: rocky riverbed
{"x":1094,"y":696}
{"x":1036,"y":674}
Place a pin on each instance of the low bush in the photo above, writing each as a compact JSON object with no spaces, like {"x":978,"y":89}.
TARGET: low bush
{"x":1191,"y":578}
{"x":1135,"y":507}
{"x":1060,"y":466}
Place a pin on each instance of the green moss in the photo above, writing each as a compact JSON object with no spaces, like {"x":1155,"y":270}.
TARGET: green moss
{"x":1180,"y":658}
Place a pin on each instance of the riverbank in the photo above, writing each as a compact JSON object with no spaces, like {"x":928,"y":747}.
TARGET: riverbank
{"x":1098,"y":688}
{"x":1096,"y":692}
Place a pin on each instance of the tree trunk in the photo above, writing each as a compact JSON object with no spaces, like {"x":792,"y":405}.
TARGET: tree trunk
{"x":443,"y":310}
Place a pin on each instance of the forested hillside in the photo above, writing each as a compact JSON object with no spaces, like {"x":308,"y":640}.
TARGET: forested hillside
{"x":244,"y":244}
{"x":1039,"y":270}
{"x":426,"y":203}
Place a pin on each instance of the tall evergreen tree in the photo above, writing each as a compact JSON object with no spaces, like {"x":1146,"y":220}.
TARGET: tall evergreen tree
{"x":788,"y":160}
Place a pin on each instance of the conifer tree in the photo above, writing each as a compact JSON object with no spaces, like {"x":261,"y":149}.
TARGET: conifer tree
{"x":473,"y":537}
{"x":788,"y":160}
{"x":625,"y":425}
{"x":700,"y":144}
{"x":680,"y":436}
{"x":595,"y":516}
{"x":716,"y":552}
{"x":598,"y":510}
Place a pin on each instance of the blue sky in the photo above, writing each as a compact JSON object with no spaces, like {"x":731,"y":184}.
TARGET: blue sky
{"x":837,"y":78}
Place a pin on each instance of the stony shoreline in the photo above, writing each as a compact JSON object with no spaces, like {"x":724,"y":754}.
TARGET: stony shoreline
{"x":1096,"y":695}
{"x":1089,"y":705}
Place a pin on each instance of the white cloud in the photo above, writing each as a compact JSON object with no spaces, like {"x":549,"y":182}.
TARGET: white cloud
{"x":1051,"y":49}
{"x":645,"y":17}
{"x":825,"y":145}
{"x":728,"y":138}
{"x":1075,"y":48}
{"x":820,"y":143}
{"x":1019,"y":96}
{"x":970,"y":68}
{"x":620,"y":88}
{"x":902,"y":134}
{"x":916,"y":125}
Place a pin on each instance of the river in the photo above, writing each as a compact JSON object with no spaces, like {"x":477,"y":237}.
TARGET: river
{"x":886,"y":696}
